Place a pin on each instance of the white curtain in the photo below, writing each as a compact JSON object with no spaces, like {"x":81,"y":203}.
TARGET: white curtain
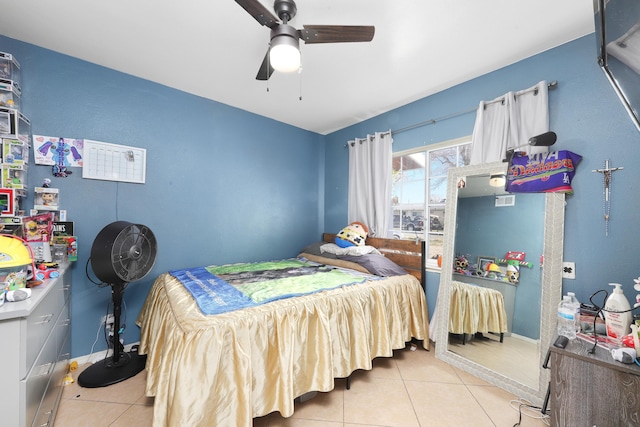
{"x":370,"y":182}
{"x":508,"y":122}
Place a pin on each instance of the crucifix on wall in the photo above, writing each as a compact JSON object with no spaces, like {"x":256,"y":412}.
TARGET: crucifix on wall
{"x":607,"y":175}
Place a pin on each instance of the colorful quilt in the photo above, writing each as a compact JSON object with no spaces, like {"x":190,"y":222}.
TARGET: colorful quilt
{"x":219,"y":289}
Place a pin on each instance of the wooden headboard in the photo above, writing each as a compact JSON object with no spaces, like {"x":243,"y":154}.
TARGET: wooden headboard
{"x":406,"y":253}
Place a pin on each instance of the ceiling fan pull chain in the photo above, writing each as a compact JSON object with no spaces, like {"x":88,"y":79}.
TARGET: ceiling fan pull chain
{"x":267,"y":68}
{"x":300,"y":77}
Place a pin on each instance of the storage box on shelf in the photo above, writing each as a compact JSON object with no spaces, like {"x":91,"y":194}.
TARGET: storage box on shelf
{"x":11,"y":225}
{"x":13,"y":169}
{"x":14,"y":151}
{"x":46,"y":199}
{"x":9,"y":94}
{"x":14,"y":176}
{"x":9,"y":67}
{"x":14,"y":123}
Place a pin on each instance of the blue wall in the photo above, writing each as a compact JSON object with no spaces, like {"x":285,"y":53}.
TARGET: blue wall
{"x":222,"y":185}
{"x":589,"y":120}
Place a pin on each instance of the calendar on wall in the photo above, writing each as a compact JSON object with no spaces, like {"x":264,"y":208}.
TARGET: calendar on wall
{"x":114,"y":162}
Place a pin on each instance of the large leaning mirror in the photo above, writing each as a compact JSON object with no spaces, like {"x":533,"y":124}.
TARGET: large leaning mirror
{"x":484,"y":224}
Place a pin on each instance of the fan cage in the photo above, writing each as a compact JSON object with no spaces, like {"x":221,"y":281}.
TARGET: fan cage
{"x":123,"y":252}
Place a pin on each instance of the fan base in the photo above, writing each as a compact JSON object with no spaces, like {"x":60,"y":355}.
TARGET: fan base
{"x":106,"y":372}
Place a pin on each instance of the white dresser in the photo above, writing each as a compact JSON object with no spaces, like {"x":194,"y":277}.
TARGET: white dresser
{"x":36,"y":343}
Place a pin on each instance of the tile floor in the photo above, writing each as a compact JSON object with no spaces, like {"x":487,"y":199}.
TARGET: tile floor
{"x":411,"y":389}
{"x":516,"y":358}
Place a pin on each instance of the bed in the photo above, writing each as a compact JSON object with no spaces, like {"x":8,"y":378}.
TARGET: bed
{"x":227,"y":368}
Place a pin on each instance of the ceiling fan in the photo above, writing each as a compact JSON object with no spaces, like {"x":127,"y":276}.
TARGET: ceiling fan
{"x":284,"y":50}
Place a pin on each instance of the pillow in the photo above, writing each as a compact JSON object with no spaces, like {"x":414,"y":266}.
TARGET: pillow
{"x":335,"y":262}
{"x":332,"y":248}
{"x":314,"y":249}
{"x":377,"y":264}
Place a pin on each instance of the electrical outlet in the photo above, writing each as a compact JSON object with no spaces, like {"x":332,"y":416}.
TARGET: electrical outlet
{"x":568,"y":270}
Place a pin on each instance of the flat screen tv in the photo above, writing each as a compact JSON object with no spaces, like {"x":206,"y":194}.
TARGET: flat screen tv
{"x":617,"y":24}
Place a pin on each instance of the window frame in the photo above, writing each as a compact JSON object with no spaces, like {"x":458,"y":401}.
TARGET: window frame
{"x":431,"y":264}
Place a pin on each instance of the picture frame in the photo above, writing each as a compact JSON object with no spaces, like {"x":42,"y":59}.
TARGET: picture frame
{"x":483,"y":261}
{"x":7,"y":200}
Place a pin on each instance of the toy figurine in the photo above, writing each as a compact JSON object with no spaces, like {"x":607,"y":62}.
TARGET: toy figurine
{"x":47,"y":271}
{"x":354,"y":234}
{"x":513,"y":273}
{"x":461,"y":264}
{"x":49,"y":199}
{"x":493,"y":271}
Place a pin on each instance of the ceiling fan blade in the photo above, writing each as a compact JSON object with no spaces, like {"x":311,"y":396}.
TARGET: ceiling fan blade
{"x":336,"y":33}
{"x":259,"y":12}
{"x":265,"y":69}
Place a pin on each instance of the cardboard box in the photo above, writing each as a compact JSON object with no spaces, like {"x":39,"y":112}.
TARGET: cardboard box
{"x":59,"y":253}
{"x":71,"y":243}
{"x":11,"y":225}
{"x":63,"y":228}
{"x":46,"y":199}
{"x":14,"y":152}
{"x":37,"y":228}
{"x":7,"y":202}
{"x":14,"y":176}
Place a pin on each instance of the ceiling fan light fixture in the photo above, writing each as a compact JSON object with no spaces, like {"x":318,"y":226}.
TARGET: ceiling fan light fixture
{"x":497,"y":179}
{"x":284,"y":54}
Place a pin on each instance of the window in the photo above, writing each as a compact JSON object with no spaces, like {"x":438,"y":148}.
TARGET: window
{"x":419,"y":191}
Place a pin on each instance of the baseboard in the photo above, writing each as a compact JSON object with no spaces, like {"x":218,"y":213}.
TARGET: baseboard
{"x":523,"y":338}
{"x":100,"y":355}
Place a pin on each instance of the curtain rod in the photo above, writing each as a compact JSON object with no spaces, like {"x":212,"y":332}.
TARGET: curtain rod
{"x":550,"y":85}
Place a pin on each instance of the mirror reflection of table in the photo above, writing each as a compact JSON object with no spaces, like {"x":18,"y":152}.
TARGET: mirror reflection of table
{"x":592,"y":389}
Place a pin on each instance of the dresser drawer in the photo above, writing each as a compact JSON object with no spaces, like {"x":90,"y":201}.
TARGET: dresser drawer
{"x":47,"y":411}
{"x":34,"y":386}
{"x":47,"y":366}
{"x":62,"y":330}
{"x":66,"y":284}
{"x":40,"y":324}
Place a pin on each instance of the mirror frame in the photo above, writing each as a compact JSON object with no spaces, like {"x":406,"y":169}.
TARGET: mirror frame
{"x":551,"y":284}
{"x":618,"y":80}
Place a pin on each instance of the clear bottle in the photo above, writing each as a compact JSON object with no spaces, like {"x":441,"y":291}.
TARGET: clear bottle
{"x":576,"y":305}
{"x":566,"y":318}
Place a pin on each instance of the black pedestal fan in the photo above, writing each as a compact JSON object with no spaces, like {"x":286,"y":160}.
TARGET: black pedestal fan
{"x":121,"y":253}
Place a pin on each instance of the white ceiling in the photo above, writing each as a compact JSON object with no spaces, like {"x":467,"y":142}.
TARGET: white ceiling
{"x":213,"y":48}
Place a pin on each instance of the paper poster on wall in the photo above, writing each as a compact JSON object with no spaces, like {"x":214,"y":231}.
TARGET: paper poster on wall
{"x":57,"y":150}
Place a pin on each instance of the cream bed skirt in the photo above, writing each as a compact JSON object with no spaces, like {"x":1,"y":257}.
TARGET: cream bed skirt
{"x":227,"y":369}
{"x":476,"y":309}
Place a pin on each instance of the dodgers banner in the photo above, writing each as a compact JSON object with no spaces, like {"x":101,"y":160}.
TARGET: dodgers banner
{"x":542,"y":172}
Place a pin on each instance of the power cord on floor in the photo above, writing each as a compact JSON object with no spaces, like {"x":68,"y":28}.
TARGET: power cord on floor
{"x":528,"y":409}
{"x":94,"y":344}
